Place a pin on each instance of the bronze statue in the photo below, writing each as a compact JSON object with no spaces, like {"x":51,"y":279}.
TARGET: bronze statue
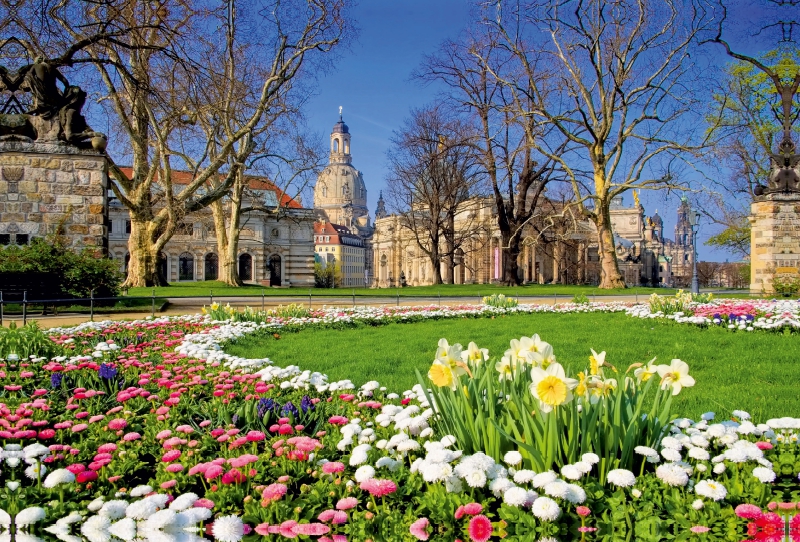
{"x":784,"y":178}
{"x":54,"y":115}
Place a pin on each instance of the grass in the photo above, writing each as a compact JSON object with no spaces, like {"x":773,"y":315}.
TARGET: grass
{"x":219,"y":289}
{"x":756,"y":372}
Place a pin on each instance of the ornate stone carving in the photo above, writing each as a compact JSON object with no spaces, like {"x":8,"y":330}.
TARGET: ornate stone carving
{"x":13,"y":174}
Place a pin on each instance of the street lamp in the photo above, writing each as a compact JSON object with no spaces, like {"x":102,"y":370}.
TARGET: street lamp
{"x":694,"y":222}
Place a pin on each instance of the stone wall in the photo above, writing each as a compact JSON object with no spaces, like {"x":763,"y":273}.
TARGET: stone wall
{"x":45,"y":187}
{"x":775,"y":240}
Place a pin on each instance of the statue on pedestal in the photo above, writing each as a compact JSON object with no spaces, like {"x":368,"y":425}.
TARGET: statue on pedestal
{"x":55,"y":113}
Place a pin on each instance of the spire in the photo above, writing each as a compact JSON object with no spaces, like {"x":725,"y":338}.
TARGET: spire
{"x":380,"y":211}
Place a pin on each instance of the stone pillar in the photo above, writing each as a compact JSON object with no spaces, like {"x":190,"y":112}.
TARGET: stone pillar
{"x":48,"y":188}
{"x":774,"y":240}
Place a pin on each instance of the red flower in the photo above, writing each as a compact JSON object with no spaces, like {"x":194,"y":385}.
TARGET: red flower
{"x":480,"y":528}
{"x":86,"y":476}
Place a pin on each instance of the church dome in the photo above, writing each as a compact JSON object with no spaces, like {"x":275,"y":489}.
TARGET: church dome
{"x":340,"y":127}
{"x":657,"y":219}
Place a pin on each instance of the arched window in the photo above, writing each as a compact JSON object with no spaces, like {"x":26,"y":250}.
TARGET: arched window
{"x":246,"y":267}
{"x":336,"y":145}
{"x":211,"y":267}
{"x":274,"y":268}
{"x":186,"y":266}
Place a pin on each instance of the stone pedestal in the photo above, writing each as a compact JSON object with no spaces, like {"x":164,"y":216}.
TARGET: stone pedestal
{"x":48,"y":188}
{"x":775,"y":240}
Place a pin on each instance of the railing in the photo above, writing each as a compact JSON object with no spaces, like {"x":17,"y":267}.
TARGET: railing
{"x":96,"y":303}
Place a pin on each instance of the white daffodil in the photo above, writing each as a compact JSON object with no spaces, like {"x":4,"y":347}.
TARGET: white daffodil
{"x":543,"y":357}
{"x":474,"y":355}
{"x":551,"y":386}
{"x":450,"y":355}
{"x":676,"y":374}
{"x":506,"y":367}
{"x":644,"y":373}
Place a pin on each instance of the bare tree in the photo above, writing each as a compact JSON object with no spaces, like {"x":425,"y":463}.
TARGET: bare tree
{"x":433,"y":175}
{"x":478,"y":72}
{"x":759,"y":111}
{"x":195,"y":97}
{"x":617,"y":85}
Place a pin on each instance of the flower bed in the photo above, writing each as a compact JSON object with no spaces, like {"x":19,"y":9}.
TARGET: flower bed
{"x":738,"y":315}
{"x":148,"y":429}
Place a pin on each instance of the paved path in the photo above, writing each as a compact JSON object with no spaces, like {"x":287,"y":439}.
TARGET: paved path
{"x":183,"y":305}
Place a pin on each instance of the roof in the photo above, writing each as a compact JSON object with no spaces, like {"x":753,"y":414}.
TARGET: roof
{"x":340,"y":127}
{"x":254,"y":183}
{"x":340,"y":235}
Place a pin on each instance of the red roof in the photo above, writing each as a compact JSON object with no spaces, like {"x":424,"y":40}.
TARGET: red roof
{"x":254,"y":183}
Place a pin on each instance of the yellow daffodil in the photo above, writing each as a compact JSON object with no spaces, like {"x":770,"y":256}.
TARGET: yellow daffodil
{"x":596,"y":361}
{"x":214,"y":306}
{"x":475,"y":355}
{"x":551,"y":386}
{"x":602,"y":388}
{"x":441,"y":374}
{"x":676,"y":374}
{"x":582,"y":387}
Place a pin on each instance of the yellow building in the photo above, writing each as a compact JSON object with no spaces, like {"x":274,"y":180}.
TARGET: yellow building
{"x":336,"y":245}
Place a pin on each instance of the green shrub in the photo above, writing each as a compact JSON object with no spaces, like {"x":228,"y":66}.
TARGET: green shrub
{"x":327,"y":276}
{"x":76,"y":273}
{"x":580,"y":299}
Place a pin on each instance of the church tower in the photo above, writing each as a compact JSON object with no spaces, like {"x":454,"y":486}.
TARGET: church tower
{"x":380,"y":211}
{"x":683,"y":229}
{"x":340,"y":191}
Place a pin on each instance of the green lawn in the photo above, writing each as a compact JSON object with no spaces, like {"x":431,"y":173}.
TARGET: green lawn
{"x":757,"y":372}
{"x":205,"y":289}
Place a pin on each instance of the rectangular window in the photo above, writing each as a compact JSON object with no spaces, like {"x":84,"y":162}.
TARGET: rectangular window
{"x":21,"y":238}
{"x":110,"y":226}
{"x":127,"y":226}
{"x":5,"y":239}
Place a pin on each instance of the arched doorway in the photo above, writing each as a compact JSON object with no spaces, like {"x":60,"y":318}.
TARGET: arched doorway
{"x":246,"y":267}
{"x":186,"y":266}
{"x":211,"y":267}
{"x":274,"y":268}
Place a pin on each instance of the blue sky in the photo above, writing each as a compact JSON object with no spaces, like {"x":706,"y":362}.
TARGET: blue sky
{"x":371,"y":81}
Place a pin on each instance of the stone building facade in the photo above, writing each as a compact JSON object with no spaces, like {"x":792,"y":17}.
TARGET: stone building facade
{"x":54,"y":187}
{"x":334,"y":245}
{"x":555,"y":250}
{"x":275,"y":249}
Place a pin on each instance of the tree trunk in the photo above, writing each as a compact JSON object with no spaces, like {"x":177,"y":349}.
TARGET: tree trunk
{"x":436,"y":262}
{"x":510,"y":253}
{"x":227,"y":244}
{"x":143,"y":269}
{"x":610,"y":277}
